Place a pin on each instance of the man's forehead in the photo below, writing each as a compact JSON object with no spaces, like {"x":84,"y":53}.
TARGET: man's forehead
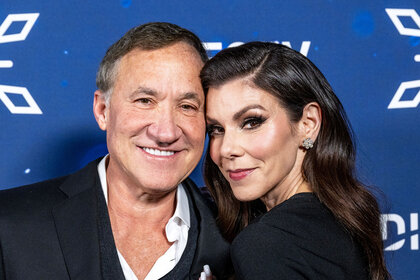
{"x":174,"y":49}
{"x":173,"y":59}
{"x":174,"y":69}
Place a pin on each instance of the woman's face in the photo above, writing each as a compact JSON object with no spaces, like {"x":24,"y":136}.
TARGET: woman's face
{"x":252,"y":142}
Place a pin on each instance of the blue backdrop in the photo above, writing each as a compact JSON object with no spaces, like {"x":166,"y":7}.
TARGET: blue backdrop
{"x":368,"y":50}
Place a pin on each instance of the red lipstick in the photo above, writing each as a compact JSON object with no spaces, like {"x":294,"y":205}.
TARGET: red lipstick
{"x":239,"y":174}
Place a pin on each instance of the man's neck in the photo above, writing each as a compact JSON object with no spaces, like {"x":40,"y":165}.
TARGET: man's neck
{"x":128,"y":199}
{"x":148,"y":208}
{"x":138,"y":221}
{"x":138,"y":226}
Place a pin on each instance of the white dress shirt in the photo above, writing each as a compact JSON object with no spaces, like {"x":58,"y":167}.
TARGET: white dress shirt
{"x":176,"y":231}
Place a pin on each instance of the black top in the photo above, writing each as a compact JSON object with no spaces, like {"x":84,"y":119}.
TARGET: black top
{"x":297,"y":239}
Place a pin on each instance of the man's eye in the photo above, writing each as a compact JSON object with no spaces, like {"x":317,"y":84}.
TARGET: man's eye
{"x":188,"y":107}
{"x":145,"y":101}
{"x":214,"y":130}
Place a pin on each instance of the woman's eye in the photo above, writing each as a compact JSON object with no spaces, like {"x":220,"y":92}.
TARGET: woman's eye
{"x":214,"y":130}
{"x":252,"y":123}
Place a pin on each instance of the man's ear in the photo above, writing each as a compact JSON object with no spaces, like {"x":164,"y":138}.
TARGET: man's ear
{"x":100,"y":109}
{"x":310,"y":123}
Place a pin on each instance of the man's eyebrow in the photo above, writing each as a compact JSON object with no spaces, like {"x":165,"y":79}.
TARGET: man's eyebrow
{"x":238,"y":114}
{"x":143,"y":90}
{"x":191,"y":96}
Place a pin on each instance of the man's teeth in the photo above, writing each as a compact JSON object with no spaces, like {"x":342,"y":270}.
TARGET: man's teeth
{"x":158,"y":152}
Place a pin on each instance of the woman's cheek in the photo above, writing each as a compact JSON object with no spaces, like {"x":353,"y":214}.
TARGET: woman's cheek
{"x":262,"y":143}
{"x":214,"y":147}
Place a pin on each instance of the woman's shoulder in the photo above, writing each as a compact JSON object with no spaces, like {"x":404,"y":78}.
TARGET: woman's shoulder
{"x":301,"y":210}
{"x":302,"y":217}
{"x":293,"y":236}
{"x":287,"y":221}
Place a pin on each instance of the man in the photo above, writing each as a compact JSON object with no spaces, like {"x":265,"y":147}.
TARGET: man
{"x":133,"y":214}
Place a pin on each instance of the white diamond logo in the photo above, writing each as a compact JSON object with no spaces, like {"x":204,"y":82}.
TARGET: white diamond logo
{"x":395,"y":14}
{"x":32,"y":107}
{"x":397,"y":103}
{"x":30,"y":21}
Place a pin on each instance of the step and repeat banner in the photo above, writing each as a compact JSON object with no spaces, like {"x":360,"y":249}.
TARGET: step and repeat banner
{"x":368,"y":50}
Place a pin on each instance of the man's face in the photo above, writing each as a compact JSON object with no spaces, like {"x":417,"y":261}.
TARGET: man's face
{"x":155,"y":118}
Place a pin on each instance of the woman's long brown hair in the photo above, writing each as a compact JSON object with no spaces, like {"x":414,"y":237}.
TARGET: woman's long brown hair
{"x":329,"y":167}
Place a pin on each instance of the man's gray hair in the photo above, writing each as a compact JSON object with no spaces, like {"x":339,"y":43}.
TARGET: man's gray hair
{"x":149,"y":36}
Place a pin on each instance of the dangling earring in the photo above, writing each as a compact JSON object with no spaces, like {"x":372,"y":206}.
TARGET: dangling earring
{"x":308,"y":143}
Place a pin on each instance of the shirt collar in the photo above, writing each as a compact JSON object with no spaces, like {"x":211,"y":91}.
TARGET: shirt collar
{"x":102,"y":176}
{"x":182,"y":209}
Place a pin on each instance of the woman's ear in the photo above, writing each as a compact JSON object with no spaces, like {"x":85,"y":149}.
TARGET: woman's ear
{"x":100,"y":109}
{"x":310,"y":123}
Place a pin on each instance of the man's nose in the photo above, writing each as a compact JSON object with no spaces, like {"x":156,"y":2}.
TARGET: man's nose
{"x":164,"y":130}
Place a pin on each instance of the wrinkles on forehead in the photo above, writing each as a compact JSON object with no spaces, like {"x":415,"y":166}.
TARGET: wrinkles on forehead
{"x":193,"y":96}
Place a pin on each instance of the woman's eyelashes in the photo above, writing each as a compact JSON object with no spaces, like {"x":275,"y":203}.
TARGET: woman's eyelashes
{"x":214,"y":130}
{"x":253,"y":122}
{"x":248,"y":123}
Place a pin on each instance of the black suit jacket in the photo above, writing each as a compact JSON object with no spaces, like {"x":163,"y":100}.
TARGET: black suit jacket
{"x":48,"y":230}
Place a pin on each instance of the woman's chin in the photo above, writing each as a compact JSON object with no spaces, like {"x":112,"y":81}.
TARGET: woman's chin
{"x":245,"y":196}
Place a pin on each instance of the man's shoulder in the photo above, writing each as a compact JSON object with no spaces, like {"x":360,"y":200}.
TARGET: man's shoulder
{"x":44,"y":194}
{"x":30,"y":197}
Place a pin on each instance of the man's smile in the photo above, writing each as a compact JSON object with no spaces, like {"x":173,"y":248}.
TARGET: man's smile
{"x":157,"y":152}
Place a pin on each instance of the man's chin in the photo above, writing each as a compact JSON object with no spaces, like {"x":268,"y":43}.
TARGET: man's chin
{"x":160,"y":186}
{"x":159,"y":193}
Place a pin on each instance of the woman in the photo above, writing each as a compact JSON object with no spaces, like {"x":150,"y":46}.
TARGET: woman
{"x":280,"y":143}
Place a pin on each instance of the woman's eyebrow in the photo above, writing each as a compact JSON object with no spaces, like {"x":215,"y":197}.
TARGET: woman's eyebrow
{"x":239,"y":114}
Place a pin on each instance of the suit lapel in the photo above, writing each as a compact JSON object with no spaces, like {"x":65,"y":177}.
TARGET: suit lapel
{"x":212,"y":248}
{"x":76,"y":224}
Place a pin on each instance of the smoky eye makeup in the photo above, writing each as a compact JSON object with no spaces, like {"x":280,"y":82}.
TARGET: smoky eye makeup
{"x":252,"y":121}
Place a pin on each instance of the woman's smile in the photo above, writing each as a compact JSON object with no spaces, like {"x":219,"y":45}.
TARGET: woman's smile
{"x":240,"y":174}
